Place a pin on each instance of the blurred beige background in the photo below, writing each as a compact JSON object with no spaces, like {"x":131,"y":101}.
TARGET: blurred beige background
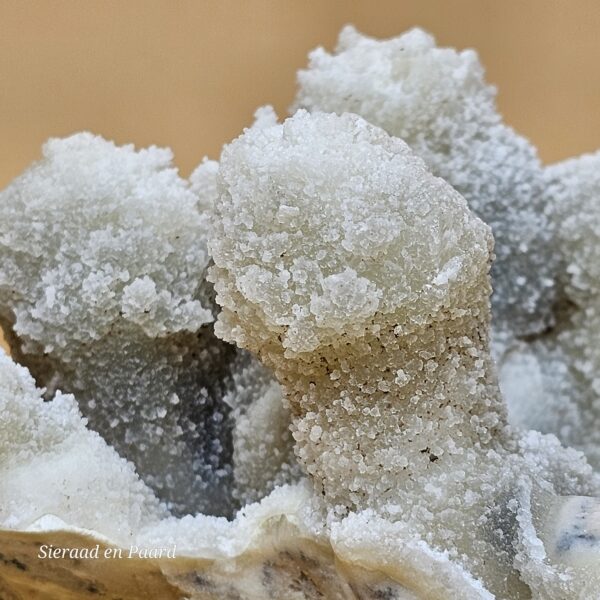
{"x":190,"y":74}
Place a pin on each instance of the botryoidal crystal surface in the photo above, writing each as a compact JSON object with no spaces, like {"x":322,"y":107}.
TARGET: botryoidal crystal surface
{"x":361,"y":346}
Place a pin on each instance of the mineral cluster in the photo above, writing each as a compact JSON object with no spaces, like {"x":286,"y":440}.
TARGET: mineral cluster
{"x":300,"y":338}
{"x":103,"y":294}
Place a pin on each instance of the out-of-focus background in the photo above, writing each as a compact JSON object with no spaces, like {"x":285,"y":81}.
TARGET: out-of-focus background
{"x":190,"y":74}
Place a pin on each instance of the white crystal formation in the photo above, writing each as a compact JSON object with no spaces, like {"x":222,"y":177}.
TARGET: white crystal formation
{"x":362,"y":281}
{"x":103,"y":294}
{"x":545,"y":220}
{"x":552,"y":382}
{"x":52,"y":464}
{"x":263,"y":447}
{"x":438,"y":102}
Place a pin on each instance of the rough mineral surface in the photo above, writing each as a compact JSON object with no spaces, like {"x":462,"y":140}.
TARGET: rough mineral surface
{"x":52,"y":464}
{"x":437,"y":100}
{"x":102,"y":263}
{"x":546,"y":283}
{"x":552,"y":382}
{"x":263,"y":456}
{"x":362,"y":281}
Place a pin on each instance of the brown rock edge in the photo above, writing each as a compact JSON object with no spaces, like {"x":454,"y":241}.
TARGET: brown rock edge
{"x":298,"y":570}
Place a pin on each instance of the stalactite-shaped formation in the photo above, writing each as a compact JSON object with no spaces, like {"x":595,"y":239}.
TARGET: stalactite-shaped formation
{"x":438,"y":102}
{"x":102,"y":292}
{"x":362,"y":281}
{"x":543,"y":219}
{"x":349,"y":249}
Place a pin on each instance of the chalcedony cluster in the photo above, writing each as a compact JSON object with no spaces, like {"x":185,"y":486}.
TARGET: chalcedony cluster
{"x":362,"y":345}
